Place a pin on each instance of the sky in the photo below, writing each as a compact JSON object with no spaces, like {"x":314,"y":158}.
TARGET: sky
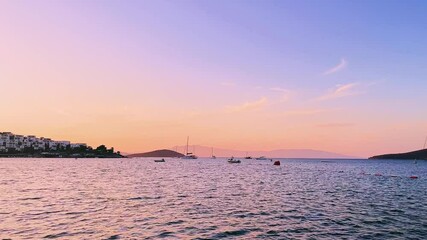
{"x":340,"y":76}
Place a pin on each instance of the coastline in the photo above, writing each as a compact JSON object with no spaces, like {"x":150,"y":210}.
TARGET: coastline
{"x":60,"y":155}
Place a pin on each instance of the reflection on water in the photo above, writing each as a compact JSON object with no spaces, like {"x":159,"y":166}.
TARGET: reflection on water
{"x":205,"y":198}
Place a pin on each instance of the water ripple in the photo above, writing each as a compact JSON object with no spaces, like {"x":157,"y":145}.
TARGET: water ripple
{"x":210,"y":199}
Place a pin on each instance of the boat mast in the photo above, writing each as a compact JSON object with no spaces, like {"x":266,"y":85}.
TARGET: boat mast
{"x":187,"y":144}
{"x":425,"y":143}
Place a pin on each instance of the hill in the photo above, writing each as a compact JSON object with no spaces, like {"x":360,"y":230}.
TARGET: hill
{"x":419,"y":154}
{"x":157,"y":153}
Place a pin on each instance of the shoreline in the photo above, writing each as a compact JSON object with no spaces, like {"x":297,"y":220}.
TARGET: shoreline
{"x":59,"y":155}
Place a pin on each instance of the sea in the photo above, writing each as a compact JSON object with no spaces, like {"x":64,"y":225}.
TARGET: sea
{"x":211,"y":199}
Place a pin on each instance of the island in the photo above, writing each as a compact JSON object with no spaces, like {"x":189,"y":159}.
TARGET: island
{"x":158,"y":153}
{"x":12,"y":145}
{"x":418,"y":154}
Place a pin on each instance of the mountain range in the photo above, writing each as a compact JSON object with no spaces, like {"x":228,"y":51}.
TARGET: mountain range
{"x":204,"y":151}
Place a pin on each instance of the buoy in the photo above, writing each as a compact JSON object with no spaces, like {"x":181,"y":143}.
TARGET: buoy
{"x":413,"y":177}
{"x":277,"y":163}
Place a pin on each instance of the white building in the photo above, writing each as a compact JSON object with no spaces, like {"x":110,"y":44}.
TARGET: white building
{"x":77,"y":145}
{"x":64,"y":144}
{"x":10,"y":141}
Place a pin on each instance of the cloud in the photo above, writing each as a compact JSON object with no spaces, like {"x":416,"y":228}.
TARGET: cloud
{"x":336,"y":68}
{"x":341,"y":91}
{"x":62,"y":112}
{"x":285,"y":93}
{"x":247,"y":106}
{"x":228,"y":84}
{"x":373,"y":83}
{"x":279,"y":89}
{"x":307,"y":112}
{"x":335,"y":125}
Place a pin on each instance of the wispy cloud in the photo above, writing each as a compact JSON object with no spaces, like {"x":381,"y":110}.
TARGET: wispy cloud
{"x":307,"y":112}
{"x":282,"y":90}
{"x":343,"y":64}
{"x":373,"y":83}
{"x":247,"y":106}
{"x":285,"y":93}
{"x":62,"y":112}
{"x":228,"y":84}
{"x":341,"y":91}
{"x":335,"y":125}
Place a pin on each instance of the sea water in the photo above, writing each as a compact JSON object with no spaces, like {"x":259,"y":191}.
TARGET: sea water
{"x":212,"y":199}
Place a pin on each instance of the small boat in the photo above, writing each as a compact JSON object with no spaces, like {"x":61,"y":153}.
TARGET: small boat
{"x":263,"y":158}
{"x":189,"y":156}
{"x":248,"y":157}
{"x":233,"y":160}
{"x":160,"y":160}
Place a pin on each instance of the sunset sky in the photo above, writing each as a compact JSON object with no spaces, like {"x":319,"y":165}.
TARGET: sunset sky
{"x":341,"y":76}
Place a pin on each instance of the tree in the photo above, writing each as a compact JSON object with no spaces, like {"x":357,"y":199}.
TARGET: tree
{"x":101,"y":148}
{"x":29,"y":150}
{"x":82,"y":148}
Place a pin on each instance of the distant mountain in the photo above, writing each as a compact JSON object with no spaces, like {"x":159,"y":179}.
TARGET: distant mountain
{"x":419,"y":154}
{"x":305,"y":153}
{"x":157,"y":153}
{"x":203,"y":151}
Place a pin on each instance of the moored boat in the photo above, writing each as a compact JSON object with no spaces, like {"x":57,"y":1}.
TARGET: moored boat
{"x":233,"y":160}
{"x":212,"y":155}
{"x":189,"y":155}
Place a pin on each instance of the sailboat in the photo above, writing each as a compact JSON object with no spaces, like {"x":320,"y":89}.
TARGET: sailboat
{"x":188,"y":155}
{"x":248,"y":157}
{"x":212,"y":155}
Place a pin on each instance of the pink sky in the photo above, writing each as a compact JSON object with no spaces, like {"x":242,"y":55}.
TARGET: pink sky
{"x":145,"y":77}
